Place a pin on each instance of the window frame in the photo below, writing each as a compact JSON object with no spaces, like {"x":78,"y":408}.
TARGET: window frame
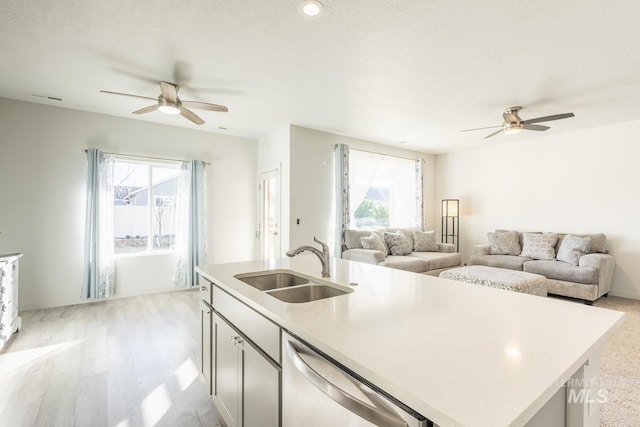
{"x":392,"y":202}
{"x":149,"y":250}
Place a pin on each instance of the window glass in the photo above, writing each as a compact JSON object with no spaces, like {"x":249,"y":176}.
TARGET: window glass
{"x":382,"y":191}
{"x":164,"y":189}
{"x":143,"y":207}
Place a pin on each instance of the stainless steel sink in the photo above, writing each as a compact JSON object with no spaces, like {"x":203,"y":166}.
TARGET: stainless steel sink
{"x":269,"y":281}
{"x":290,"y":287}
{"x":306,"y":293}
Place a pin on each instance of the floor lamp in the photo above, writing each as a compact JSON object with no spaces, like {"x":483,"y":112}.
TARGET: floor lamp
{"x":450,"y":222}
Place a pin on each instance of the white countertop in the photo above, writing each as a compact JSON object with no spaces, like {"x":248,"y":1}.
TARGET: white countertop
{"x":439,"y":346}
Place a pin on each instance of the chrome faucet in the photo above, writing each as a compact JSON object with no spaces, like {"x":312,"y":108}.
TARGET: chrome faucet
{"x":324,"y":255}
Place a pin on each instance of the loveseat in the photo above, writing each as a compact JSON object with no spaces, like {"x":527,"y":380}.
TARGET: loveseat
{"x":421,"y":255}
{"x":575,"y":265}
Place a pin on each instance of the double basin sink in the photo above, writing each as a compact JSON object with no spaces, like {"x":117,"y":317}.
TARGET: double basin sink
{"x":291,"y":287}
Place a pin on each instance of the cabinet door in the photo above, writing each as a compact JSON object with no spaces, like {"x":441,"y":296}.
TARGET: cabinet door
{"x":227,"y":372}
{"x":206,"y":353}
{"x":261,"y":389}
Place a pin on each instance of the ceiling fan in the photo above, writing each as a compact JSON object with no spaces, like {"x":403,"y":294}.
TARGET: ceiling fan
{"x":514,"y":124}
{"x":168,"y":102}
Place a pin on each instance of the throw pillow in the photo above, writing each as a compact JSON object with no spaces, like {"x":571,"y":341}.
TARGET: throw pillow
{"x":504,"y":243}
{"x":572,"y":248}
{"x":539,"y":245}
{"x":425,"y":241}
{"x":398,"y":244}
{"x":373,"y":242}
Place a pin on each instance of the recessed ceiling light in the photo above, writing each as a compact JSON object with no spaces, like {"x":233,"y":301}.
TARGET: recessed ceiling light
{"x":513,"y":352}
{"x":311,"y":8}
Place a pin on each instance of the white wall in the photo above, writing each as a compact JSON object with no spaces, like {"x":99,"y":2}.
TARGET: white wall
{"x":43,"y":180}
{"x":579,"y":182}
{"x":312,"y":182}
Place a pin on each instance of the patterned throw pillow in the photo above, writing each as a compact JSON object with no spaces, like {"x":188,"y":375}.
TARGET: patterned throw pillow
{"x":373,"y":242}
{"x":539,"y":245}
{"x":504,"y":243}
{"x":425,"y":241}
{"x":572,"y":248}
{"x":398,"y":244}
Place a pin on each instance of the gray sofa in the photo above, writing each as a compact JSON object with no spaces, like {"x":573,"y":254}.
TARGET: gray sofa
{"x":576,"y":266}
{"x":427,"y":262}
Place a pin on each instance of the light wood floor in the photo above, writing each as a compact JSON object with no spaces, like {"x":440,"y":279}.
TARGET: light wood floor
{"x":118,"y":363}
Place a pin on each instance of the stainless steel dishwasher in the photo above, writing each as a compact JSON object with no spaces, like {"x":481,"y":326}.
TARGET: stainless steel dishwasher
{"x":317,"y":391}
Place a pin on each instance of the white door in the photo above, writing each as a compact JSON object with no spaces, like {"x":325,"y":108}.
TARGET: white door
{"x":269,"y":213}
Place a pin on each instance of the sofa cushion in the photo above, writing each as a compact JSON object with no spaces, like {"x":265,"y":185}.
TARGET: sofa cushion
{"x":425,"y":241}
{"x":562,"y":271}
{"x":511,"y":262}
{"x":397,"y":243}
{"x":572,"y":248}
{"x":408,"y":234}
{"x":407,"y":263}
{"x":438,"y":260}
{"x":539,"y":245}
{"x":352,"y":238}
{"x":598,"y":242}
{"x":504,"y":243}
{"x":374,"y":242}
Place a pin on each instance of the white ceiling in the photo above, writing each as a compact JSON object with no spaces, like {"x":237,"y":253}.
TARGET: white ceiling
{"x":417,"y":71}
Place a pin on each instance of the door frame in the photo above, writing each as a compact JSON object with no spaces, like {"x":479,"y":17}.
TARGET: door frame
{"x":260,"y":175}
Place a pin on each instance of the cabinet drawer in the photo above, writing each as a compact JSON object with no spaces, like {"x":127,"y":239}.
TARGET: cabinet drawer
{"x":262,"y":331}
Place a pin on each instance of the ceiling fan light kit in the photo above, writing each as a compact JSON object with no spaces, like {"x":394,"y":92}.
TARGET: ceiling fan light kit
{"x":514,"y":124}
{"x":168,"y":102}
{"x":168,"y":107}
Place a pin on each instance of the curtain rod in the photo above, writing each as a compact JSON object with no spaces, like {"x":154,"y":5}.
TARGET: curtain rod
{"x":383,"y":154}
{"x":149,"y":157}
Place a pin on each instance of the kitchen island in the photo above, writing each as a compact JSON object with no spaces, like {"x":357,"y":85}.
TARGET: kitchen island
{"x":458,"y":354}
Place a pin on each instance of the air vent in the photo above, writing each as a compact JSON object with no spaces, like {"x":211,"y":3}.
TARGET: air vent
{"x":43,"y":96}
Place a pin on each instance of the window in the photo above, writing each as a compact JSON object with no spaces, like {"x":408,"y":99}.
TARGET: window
{"x":144,"y":208}
{"x":383,"y":191}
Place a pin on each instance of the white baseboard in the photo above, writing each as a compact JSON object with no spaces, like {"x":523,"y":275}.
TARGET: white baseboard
{"x":62,"y":303}
{"x":630,"y":295}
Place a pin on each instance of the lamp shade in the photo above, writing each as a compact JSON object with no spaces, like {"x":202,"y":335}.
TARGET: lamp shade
{"x":450,"y":207}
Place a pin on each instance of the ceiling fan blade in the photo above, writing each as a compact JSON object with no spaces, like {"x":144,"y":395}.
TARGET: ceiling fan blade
{"x":190,"y":115}
{"x":489,"y":127}
{"x":205,"y":106}
{"x":492,"y":134}
{"x":549,"y":118}
{"x":534,"y":127}
{"x":169,"y":91}
{"x":148,"y":109}
{"x":128,"y":94}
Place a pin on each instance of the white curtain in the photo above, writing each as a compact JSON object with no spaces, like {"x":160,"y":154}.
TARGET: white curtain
{"x":341,"y":170}
{"x":419,"y":177}
{"x":98,"y":274}
{"x":191,"y":226}
{"x":363,"y":169}
{"x":403,"y":191}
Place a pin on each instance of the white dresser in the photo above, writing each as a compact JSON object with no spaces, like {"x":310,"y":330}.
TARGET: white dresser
{"x":9,"y":322}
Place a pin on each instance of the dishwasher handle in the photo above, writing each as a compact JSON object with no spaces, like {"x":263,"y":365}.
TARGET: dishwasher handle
{"x":335,"y":393}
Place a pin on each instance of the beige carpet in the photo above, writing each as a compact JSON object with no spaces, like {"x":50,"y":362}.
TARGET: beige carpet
{"x":620,"y":369}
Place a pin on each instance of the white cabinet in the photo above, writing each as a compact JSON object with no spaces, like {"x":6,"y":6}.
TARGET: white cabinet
{"x":206,"y":348}
{"x":9,"y":320}
{"x":247,"y":383}
{"x":243,"y":349}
